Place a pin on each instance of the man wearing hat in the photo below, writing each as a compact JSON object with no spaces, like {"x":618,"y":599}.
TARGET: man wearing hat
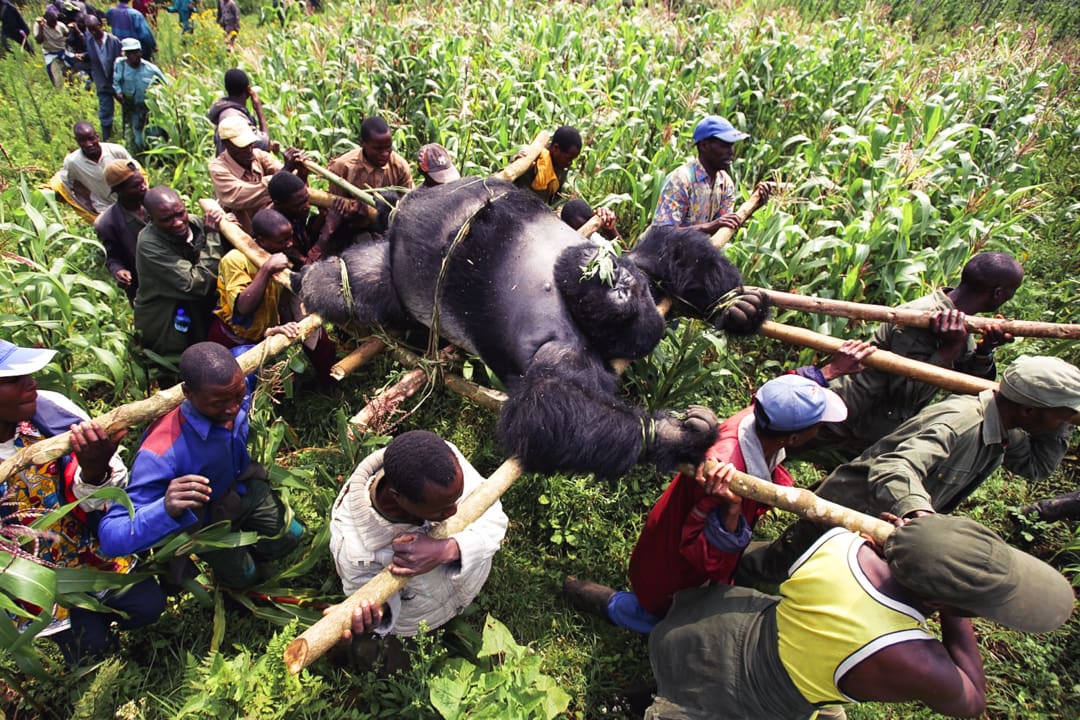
{"x":850,"y":626}
{"x":118,"y":227}
{"x":132,"y":76}
{"x":935,"y":460}
{"x":26,"y":417}
{"x":701,"y":193}
{"x":697,"y":531}
{"x":242,"y":171}
{"x":436,"y":166}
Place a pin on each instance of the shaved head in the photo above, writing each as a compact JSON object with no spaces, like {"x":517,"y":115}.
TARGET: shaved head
{"x":156,"y":197}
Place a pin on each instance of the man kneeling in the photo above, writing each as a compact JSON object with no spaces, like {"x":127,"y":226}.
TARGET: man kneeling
{"x":382,"y":518}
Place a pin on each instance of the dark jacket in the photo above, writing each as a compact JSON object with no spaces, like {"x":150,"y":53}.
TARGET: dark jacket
{"x":101,"y":63}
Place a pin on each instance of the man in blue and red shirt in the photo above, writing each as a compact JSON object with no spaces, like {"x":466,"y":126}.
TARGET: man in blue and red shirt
{"x":193,"y":468}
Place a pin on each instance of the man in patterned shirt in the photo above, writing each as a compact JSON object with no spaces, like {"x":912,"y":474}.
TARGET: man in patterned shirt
{"x":701,"y":194}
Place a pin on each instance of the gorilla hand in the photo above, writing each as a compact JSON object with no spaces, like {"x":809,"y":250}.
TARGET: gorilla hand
{"x":745,"y":315}
{"x":681,"y":437}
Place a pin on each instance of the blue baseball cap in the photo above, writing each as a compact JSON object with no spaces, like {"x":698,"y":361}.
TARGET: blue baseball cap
{"x":791,"y":403}
{"x":17,"y":361}
{"x":714,"y":126}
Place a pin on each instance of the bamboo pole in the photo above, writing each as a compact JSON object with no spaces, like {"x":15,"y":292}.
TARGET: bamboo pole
{"x":367,"y":350}
{"x":723,"y":236}
{"x":244,"y":242}
{"x":884,"y":360}
{"x":517,"y":167}
{"x":387,"y":401}
{"x":362,"y":195}
{"x":151,"y":408}
{"x":915,"y":318}
{"x":591,"y":225}
{"x":321,"y":636}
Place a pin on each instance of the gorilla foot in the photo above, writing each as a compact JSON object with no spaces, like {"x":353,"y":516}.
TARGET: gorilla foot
{"x":742,"y":315}
{"x":1063,"y":507}
{"x":681,"y":437}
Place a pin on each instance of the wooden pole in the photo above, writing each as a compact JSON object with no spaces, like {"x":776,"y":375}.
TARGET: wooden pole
{"x":388,"y":400}
{"x":367,"y":350}
{"x":950,"y":380}
{"x":915,"y":318}
{"x":321,"y":636}
{"x":362,"y":195}
{"x":517,"y":168}
{"x":244,"y":242}
{"x":723,"y":236}
{"x":591,"y":225}
{"x":151,"y":408}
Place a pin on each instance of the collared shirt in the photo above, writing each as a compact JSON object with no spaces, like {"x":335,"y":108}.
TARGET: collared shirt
{"x":133,"y":82}
{"x":361,"y":544}
{"x":173,"y":274}
{"x":242,"y":191}
{"x":102,"y":57}
{"x":878,"y":401}
{"x":689,"y":197}
{"x":90,"y":174}
{"x":355,"y":168}
{"x":234,"y":275}
{"x":182,"y":442}
{"x":937,"y":458}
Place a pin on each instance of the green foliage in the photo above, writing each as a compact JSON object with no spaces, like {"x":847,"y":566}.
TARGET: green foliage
{"x":504,"y":682}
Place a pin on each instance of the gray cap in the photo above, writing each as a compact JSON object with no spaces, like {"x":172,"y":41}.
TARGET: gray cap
{"x":1042,"y":382}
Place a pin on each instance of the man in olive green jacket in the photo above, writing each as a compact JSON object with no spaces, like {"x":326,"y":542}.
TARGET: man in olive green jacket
{"x":935,"y":460}
{"x":878,"y":402}
{"x":176,"y":260}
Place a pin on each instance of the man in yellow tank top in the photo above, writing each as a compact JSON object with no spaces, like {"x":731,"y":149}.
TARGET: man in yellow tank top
{"x":850,"y":627}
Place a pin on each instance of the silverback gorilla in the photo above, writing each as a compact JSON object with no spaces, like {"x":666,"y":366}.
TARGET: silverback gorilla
{"x":508,"y":277}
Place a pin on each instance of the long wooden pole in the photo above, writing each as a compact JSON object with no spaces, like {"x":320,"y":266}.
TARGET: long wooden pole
{"x":362,"y":195}
{"x":517,"y":168}
{"x":367,"y":350}
{"x":757,"y":198}
{"x":151,"y":408}
{"x":914,"y":318}
{"x":244,"y":242}
{"x":321,"y":636}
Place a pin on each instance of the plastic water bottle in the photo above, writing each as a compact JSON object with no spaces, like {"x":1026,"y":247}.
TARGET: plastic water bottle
{"x":182,"y":323}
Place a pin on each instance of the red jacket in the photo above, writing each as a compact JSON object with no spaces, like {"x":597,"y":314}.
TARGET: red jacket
{"x":672,"y":553}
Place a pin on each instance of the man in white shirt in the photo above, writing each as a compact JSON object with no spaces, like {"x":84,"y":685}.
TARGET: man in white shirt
{"x":83,"y":174}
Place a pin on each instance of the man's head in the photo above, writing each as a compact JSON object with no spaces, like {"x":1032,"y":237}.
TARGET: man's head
{"x":94,"y":26}
{"x":791,"y":408}
{"x":213,"y":382}
{"x":132,"y":51}
{"x":991,"y":279}
{"x":87,"y":138}
{"x":167,"y":212}
{"x":237,"y":83}
{"x":576,"y":213}
{"x":51,"y":15}
{"x":564,"y":147}
{"x":1038,"y":394}
{"x":126,"y":180}
{"x":435,"y":163}
{"x":422,"y":475}
{"x":80,"y":21}
{"x":272,"y":231}
{"x":239,"y":139}
{"x":18,"y":389}
{"x":290,"y":195}
{"x":377,"y":141}
{"x":715,"y":138}
{"x":956,"y":562}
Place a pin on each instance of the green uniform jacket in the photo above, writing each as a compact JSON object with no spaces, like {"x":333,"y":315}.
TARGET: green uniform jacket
{"x":878,"y":402}
{"x":174,"y":274}
{"x":939,"y":457}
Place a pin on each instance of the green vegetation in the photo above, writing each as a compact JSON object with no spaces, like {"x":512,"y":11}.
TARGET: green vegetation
{"x":903,"y":149}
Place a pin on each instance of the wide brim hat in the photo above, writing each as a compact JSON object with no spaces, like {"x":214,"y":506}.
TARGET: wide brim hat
{"x":17,"y":361}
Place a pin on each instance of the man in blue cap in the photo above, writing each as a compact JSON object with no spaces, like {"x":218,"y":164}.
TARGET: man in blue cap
{"x":701,"y":193}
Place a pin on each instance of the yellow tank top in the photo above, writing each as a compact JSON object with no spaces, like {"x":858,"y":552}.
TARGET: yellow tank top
{"x":832,"y":618}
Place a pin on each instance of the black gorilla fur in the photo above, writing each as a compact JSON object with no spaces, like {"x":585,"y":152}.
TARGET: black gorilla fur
{"x":510,"y":290}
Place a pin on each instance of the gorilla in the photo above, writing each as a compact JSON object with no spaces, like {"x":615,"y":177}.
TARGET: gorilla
{"x":492,"y":269}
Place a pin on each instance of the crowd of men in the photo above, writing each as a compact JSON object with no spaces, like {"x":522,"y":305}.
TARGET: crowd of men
{"x":714,"y":642}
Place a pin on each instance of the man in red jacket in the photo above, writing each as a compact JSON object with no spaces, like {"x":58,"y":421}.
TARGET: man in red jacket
{"x":698,"y":529}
